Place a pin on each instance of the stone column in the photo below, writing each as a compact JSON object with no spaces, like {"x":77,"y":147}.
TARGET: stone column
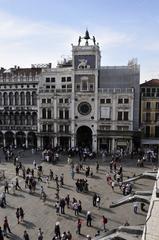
{"x":55,"y":141}
{"x":39,"y":142}
{"x":73,"y":141}
{"x":4,"y":141}
{"x":113,"y":145}
{"x":52,"y":142}
{"x":94,"y":143}
{"x":26,"y":141}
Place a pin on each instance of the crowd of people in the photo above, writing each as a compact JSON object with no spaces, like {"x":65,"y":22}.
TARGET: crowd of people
{"x":32,"y":180}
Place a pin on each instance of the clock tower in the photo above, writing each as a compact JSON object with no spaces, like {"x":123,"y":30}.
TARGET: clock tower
{"x":86,"y":64}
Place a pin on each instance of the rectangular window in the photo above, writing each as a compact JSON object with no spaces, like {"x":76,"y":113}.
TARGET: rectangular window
{"x":69,"y":86}
{"x":148,"y":116}
{"x":108,"y":100}
{"x":47,"y":87}
{"x":157,"y":131}
{"x":119,"y":116}
{"x":61,"y":128}
{"x":148,"y":105}
{"x":68,"y":79}
{"x":126,"y":116}
{"x":157,"y":117}
{"x":61,"y":100}
{"x":66,"y":100}
{"x":102,"y":100}
{"x":49,"y":113}
{"x":63,"y":86}
{"x":53,"y":86}
{"x":43,"y":100}
{"x":66,"y":128}
{"x":49,"y":128}
{"x":52,"y":79}
{"x":63,"y":79}
{"x":66,"y":114}
{"x":157,"y":105}
{"x":44,"y":128}
{"x":148,"y":92}
{"x":47,"y":79}
{"x":84,"y":85}
{"x":120,"y":100}
{"x":60,"y":114}
{"x":126,"y":100}
{"x":147,"y":131}
{"x":49,"y":100}
{"x":91,"y":87}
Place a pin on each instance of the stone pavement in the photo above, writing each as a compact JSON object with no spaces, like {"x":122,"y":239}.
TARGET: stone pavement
{"x":43,"y":215}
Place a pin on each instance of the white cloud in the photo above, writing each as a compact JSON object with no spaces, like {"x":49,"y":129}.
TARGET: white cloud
{"x":24,"y":41}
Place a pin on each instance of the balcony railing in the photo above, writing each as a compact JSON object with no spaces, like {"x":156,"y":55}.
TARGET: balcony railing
{"x":18,"y":128}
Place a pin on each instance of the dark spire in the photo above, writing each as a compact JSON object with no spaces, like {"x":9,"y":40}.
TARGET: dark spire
{"x":87,"y":37}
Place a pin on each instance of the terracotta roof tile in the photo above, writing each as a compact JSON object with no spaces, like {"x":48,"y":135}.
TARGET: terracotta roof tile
{"x":151,"y":83}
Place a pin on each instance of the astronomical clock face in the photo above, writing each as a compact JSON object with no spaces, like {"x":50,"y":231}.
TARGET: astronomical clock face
{"x":84,"y":108}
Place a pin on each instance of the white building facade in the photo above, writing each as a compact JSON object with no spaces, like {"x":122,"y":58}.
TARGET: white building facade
{"x":76,"y":109}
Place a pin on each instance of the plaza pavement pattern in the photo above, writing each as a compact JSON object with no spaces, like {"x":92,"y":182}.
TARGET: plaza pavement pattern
{"x":43,"y":215}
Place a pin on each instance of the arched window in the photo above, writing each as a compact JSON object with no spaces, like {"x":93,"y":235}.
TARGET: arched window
{"x":10,"y":98}
{"x":34,"y":99}
{"x":6,"y":118}
{"x":0,"y":99}
{"x":49,"y":113}
{"x":5,"y":96}
{"x":22,"y":98}
{"x":12,"y":119}
{"x":44,"y":113}
{"x":17,"y":119}
{"x":28,"y":98}
{"x":22,"y":118}
{"x":16,"y":98}
{"x":28,"y":119}
{"x":34,"y":118}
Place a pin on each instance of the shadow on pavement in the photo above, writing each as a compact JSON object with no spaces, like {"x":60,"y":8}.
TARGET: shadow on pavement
{"x":28,"y":225}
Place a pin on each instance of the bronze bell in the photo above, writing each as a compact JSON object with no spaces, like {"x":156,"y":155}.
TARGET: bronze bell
{"x":86,"y":35}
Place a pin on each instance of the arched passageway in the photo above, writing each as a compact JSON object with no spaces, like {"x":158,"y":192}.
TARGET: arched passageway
{"x":84,"y":137}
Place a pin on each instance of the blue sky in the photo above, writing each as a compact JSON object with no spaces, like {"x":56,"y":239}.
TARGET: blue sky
{"x":41,"y":31}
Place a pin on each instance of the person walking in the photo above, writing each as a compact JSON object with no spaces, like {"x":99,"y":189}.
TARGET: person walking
{"x":21,"y":211}
{"x":72,"y":174}
{"x":6,"y":227}
{"x":40,"y":234}
{"x":18,"y":215}
{"x":26,"y":236}
{"x":104,"y":220}
{"x":57,"y":230}
{"x":135,"y":206}
{"x":34,"y":164}
{"x":98,"y":201}
{"x":75,"y":207}
{"x":67,"y":200}
{"x":79,"y":224}
{"x":57,"y":205}
{"x":6,"y":187}
{"x":89,"y":219}
{"x":97,"y":167}
{"x":17,"y":186}
{"x":94,"y":199}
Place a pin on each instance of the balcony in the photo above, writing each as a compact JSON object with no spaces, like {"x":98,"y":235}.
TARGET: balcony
{"x":18,"y":128}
